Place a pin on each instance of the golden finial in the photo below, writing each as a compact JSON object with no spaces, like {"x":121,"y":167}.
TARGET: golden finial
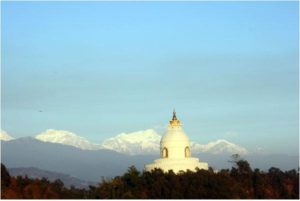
{"x":174,"y":121}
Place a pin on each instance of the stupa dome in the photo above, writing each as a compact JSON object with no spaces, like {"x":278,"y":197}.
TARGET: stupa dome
{"x":175,"y":140}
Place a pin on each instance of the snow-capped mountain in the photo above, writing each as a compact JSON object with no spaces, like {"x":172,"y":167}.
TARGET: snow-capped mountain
{"x":67,"y":138}
{"x":4,"y":136}
{"x":136,"y":143}
{"x":148,"y":142}
{"x":218,"y":147}
{"x":140,"y":142}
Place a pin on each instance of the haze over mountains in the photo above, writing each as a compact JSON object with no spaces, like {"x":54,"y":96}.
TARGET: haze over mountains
{"x":67,"y":153}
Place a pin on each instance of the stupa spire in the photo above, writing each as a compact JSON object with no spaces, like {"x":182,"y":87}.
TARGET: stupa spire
{"x":174,"y":115}
{"x":174,"y":121}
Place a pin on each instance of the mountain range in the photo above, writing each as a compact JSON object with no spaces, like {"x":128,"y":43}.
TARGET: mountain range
{"x":68,"y":154}
{"x":135,"y":143}
{"x":88,"y":165}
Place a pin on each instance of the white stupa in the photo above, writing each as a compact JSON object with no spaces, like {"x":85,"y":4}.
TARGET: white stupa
{"x":175,"y":151}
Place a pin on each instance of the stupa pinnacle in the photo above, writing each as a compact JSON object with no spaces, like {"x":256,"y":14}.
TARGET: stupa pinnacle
{"x":175,"y":151}
{"x":174,"y":121}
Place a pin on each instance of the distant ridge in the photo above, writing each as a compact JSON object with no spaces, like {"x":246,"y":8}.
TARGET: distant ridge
{"x":36,"y":173}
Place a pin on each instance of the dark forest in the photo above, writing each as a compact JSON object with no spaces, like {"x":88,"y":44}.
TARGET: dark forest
{"x":239,"y":182}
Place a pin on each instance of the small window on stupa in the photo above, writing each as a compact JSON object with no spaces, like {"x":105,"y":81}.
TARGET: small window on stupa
{"x":165,"y":152}
{"x":187,"y":152}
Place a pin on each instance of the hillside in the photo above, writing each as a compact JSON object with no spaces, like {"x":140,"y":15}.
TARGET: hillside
{"x":36,"y":173}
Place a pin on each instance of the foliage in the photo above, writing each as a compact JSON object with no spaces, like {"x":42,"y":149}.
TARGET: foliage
{"x":5,"y":177}
{"x":239,"y":182}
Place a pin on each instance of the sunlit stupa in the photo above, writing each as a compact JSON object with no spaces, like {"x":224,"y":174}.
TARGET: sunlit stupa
{"x":175,"y":152}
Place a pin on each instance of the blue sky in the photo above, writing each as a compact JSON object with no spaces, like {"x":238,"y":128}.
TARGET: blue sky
{"x":101,"y":68}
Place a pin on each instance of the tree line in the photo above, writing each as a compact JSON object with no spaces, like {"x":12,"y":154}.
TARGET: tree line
{"x":240,"y":182}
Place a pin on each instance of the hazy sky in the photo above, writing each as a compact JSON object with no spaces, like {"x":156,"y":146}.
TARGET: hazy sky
{"x":101,"y":68}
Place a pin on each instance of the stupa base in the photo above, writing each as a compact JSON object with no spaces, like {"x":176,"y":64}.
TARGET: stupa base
{"x":177,"y":165}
